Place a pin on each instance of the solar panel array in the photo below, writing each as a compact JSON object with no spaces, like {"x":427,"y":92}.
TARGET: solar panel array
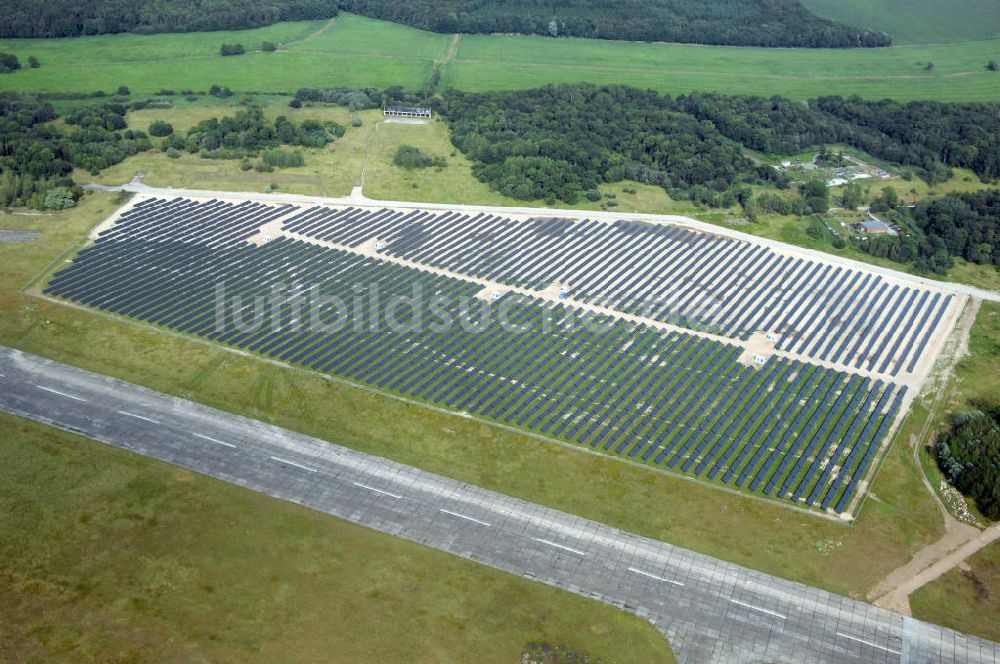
{"x":666,"y":273}
{"x":789,"y":429}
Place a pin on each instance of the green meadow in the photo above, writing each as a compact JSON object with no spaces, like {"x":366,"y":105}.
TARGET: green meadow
{"x":916,"y":21}
{"x":353,"y":51}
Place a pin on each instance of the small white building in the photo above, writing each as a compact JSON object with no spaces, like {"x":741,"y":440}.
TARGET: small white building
{"x":411,"y":112}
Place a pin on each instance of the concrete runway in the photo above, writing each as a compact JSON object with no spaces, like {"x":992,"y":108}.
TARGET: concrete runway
{"x":711,"y":610}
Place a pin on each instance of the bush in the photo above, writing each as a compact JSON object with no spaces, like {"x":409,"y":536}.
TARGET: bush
{"x":968,"y":453}
{"x":220,"y":91}
{"x":283,"y":159}
{"x":268,"y":47}
{"x":59,"y":198}
{"x":263,"y":167}
{"x":411,"y":158}
{"x":629,"y":189}
{"x":173,"y":153}
{"x":9,"y":63}
{"x":33,"y":62}
{"x":123,"y":91}
{"x":356,"y":122}
{"x":593,"y":195}
{"x":246,"y":165}
{"x":160,"y":128}
{"x":295,"y":103}
{"x":231,"y":49}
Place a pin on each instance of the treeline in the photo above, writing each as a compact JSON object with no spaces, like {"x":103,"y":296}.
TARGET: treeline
{"x":935,"y":231}
{"x":969,"y":455}
{"x":37,"y":159}
{"x":925,"y":134}
{"x":66,"y":18}
{"x":357,"y":99}
{"x":557,"y":141}
{"x":248,"y":132}
{"x":729,"y":22}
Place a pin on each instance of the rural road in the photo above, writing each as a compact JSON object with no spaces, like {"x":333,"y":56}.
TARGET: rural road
{"x":357,"y":199}
{"x":712,"y":611}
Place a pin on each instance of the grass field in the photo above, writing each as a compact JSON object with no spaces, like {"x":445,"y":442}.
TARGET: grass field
{"x":967,"y":601}
{"x":514,"y":62}
{"x":356,"y":51}
{"x":897,"y":520}
{"x":916,"y":21}
{"x":108,"y":556}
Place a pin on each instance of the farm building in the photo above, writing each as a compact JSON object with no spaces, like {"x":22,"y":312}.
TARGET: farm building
{"x":874,"y":227}
{"x":415,"y":112}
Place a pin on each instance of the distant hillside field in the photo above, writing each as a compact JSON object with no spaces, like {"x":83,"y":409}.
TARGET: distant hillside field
{"x":355,"y":51}
{"x":917,"y":21}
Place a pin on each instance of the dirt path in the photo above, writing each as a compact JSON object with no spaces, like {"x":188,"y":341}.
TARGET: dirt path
{"x":960,"y":540}
{"x":930,"y":563}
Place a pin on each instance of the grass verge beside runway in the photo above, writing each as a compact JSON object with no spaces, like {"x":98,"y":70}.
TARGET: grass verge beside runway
{"x":108,"y":556}
{"x":968,"y":601}
{"x":898,"y":518}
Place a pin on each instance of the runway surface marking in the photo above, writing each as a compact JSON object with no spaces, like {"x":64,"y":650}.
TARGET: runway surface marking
{"x":371,"y":488}
{"x":757,"y":608}
{"x":214,"y":440}
{"x":560,"y":546}
{"x":868,"y":643}
{"x":138,"y":417}
{"x":292,"y":463}
{"x":653,"y":576}
{"x":462,"y":516}
{"x":62,"y":394}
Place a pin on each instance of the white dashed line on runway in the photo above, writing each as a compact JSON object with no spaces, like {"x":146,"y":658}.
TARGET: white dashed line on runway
{"x":292,"y":463}
{"x":462,"y":516}
{"x":757,"y":608}
{"x":653,"y":576}
{"x":371,"y":488}
{"x":868,"y":643}
{"x":62,"y":394}
{"x":209,"y":438}
{"x":560,"y":546}
{"x":138,"y":417}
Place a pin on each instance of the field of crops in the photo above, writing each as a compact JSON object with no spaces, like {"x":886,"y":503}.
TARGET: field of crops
{"x":355,"y":52}
{"x":782,"y":427}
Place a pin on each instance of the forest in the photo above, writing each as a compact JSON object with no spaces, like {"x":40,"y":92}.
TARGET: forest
{"x":36,"y":158}
{"x":936,"y":231}
{"x":968,"y":453}
{"x":559,"y":140}
{"x":732,"y":22}
{"x":729,"y":22}
{"x":65,"y":18}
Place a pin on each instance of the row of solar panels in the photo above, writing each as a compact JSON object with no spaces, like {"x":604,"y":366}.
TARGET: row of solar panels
{"x":798,"y":429}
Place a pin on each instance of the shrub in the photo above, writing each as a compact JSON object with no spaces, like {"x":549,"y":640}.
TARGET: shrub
{"x":173,"y":153}
{"x":123,"y":91}
{"x":629,"y":189}
{"x":295,"y":103}
{"x":246,"y":165}
{"x":160,"y":128}
{"x":268,"y":47}
{"x":9,"y":63}
{"x":231,"y":49}
{"x":411,"y":158}
{"x":263,"y":167}
{"x":59,"y":198}
{"x":356,"y":122}
{"x":283,"y":159}
{"x":593,"y":195}
{"x":35,"y":64}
